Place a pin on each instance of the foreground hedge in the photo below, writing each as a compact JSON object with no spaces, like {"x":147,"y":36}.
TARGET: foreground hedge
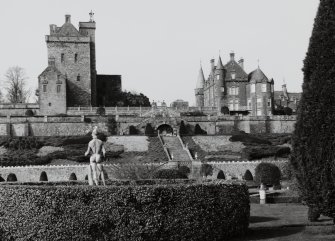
{"x":207,"y":211}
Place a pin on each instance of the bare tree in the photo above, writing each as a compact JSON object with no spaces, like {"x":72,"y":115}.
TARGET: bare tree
{"x":15,"y":79}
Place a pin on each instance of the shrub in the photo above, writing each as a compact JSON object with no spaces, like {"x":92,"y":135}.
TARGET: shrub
{"x":313,"y":214}
{"x":199,"y":131}
{"x":267,"y":173}
{"x":248,"y":139}
{"x":112,"y":125}
{"x":206,"y":170}
{"x":87,"y":120}
{"x":192,"y":113}
{"x":225,"y":110}
{"x":288,"y":111}
{"x":261,"y":151}
{"x":21,"y":143}
{"x":133,"y":130}
{"x":149,"y":131}
{"x":145,"y":212}
{"x":184,"y":170}
{"x":169,"y":174}
{"x":248,"y":176}
{"x":182,"y":129}
{"x":29,"y":112}
{"x":101,"y":111}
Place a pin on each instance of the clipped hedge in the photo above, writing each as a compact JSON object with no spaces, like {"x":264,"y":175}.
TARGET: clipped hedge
{"x":267,"y":173}
{"x":169,"y":174}
{"x":157,"y":212}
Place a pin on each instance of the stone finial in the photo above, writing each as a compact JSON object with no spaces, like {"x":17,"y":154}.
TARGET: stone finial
{"x":67,"y":18}
{"x":91,"y":16}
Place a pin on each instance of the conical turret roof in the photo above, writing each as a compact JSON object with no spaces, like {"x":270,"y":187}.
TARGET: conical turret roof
{"x":219,"y":65}
{"x":201,"y":79}
{"x":257,"y":76}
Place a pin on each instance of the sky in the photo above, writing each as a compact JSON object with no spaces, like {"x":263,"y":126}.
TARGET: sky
{"x":157,"y":46}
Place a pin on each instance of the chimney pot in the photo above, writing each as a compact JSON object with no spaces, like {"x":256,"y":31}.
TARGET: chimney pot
{"x":241,"y":63}
{"x":68,"y":18}
{"x":232,"y":56}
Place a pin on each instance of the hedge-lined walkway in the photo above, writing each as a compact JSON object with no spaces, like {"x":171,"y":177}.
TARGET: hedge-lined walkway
{"x":286,"y":222}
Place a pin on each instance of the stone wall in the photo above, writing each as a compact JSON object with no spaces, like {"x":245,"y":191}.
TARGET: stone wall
{"x":60,"y":173}
{"x":78,"y":125}
{"x":238,"y":169}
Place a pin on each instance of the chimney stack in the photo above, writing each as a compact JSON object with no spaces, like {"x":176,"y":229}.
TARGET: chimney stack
{"x":67,"y":18}
{"x":53,"y":28}
{"x":241,"y":63}
{"x":232,"y":56}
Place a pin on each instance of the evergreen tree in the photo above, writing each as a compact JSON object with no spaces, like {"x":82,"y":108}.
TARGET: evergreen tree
{"x":149,"y":131}
{"x":314,"y":136}
{"x":182,"y":129}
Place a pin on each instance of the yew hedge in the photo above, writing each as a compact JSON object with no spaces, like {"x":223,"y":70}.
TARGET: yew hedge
{"x":206,"y":211}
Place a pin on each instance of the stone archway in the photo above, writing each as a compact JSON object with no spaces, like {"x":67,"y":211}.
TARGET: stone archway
{"x":165,"y":129}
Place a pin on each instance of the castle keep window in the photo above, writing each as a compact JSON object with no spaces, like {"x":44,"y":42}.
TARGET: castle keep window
{"x":78,"y":77}
{"x":44,"y":88}
{"x":58,"y":88}
{"x":259,"y":102}
{"x":62,"y":58}
{"x":253,"y":88}
{"x":218,"y":77}
{"x":263,"y":87}
{"x":75,"y":58}
{"x":269,"y":102}
{"x":233,"y":90}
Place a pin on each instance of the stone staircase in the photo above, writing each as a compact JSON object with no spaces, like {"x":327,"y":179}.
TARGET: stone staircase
{"x":175,"y":148}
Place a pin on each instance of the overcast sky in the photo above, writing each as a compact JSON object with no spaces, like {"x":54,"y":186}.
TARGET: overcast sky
{"x":157,"y":45}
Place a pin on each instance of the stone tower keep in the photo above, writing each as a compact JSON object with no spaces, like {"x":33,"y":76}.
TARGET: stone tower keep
{"x":88,"y":29}
{"x":71,"y":50}
{"x":199,"y":91}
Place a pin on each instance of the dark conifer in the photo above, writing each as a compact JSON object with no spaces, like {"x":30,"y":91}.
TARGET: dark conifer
{"x":313,"y":157}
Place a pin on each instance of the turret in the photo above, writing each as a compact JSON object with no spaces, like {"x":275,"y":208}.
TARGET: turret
{"x":88,"y":29}
{"x":219,"y":84}
{"x":199,"y":91}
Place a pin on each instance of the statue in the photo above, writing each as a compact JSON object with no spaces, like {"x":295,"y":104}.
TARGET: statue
{"x":96,"y":147}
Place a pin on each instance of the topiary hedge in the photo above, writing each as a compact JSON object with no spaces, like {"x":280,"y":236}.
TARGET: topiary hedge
{"x":206,"y":211}
{"x":169,"y":174}
{"x":267,"y":173}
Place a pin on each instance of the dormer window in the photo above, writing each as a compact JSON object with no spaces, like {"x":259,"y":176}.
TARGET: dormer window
{"x":62,"y":58}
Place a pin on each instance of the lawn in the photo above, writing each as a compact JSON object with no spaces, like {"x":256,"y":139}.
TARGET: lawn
{"x":286,"y":222}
